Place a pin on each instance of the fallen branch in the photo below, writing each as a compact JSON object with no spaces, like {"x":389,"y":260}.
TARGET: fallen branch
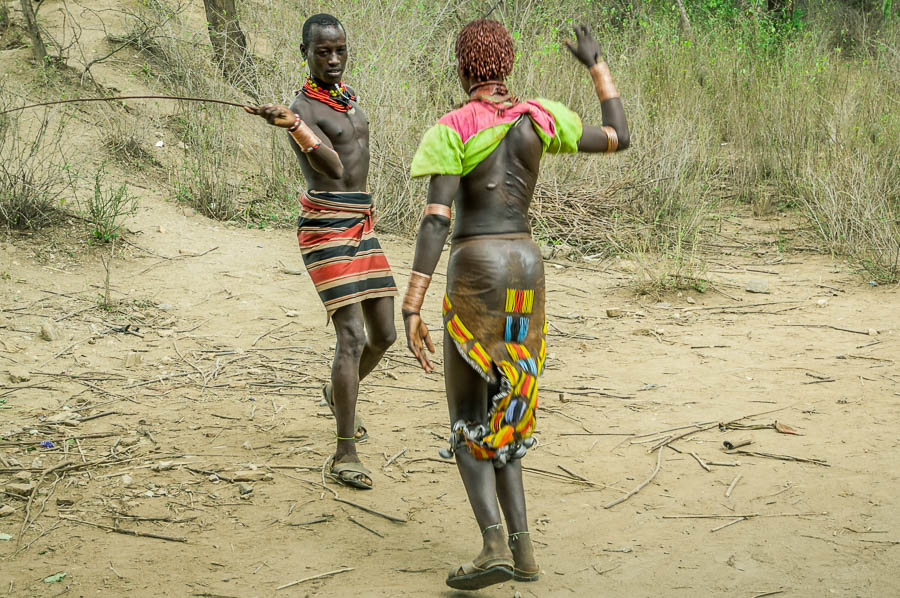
{"x":26,"y":523}
{"x":71,"y":346}
{"x":324,"y":519}
{"x":395,"y":457}
{"x":319,"y":576}
{"x":41,"y":535}
{"x":670,"y":439}
{"x":863,"y":332}
{"x":127,"y":532}
{"x":158,"y":379}
{"x":734,"y":482}
{"x":365,"y":527}
{"x":596,"y":434}
{"x":370,"y":510}
{"x":743,"y":515}
{"x":265,"y":334}
{"x":88,"y":418}
{"x":730,"y":523}
{"x":222,"y":477}
{"x":779,"y":457}
{"x":335,"y":496}
{"x":709,"y":307}
{"x":697,"y":425}
{"x":642,"y":484}
{"x":573,"y":474}
{"x":888,"y":542}
{"x":568,"y":478}
{"x":177,"y":257}
{"x":700,"y":461}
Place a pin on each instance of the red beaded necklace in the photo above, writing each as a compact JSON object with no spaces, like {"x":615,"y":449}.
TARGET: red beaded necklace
{"x":337,"y":98}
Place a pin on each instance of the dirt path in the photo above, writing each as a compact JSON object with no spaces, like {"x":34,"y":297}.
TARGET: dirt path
{"x":220,"y":368}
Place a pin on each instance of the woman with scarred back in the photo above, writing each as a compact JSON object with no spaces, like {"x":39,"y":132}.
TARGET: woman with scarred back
{"x":484,"y":159}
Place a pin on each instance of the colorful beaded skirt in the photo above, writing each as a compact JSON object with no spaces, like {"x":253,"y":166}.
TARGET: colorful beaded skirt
{"x":494,"y":315}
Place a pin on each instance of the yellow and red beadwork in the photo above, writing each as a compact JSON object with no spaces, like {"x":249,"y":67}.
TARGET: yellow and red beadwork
{"x":519,"y":300}
{"x":510,"y":362}
{"x":338,"y":98}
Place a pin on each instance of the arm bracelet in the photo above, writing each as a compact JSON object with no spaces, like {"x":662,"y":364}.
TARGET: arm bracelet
{"x":303,"y":135}
{"x":296,"y":124}
{"x":603,"y":82}
{"x":438,"y":209}
{"x":415,"y":292}
{"x":612,"y":139}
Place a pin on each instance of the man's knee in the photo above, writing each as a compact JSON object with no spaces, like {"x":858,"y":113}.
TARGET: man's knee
{"x":351,"y":340}
{"x":383,"y":339}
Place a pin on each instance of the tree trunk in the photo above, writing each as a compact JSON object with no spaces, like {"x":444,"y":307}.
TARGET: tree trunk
{"x":685,"y":22}
{"x":37,"y":43}
{"x":228,"y":41}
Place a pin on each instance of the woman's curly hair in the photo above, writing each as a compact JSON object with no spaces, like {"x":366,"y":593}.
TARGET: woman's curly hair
{"x":484,"y":51}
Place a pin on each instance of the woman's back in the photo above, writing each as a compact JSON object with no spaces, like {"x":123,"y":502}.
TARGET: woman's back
{"x":494,"y":197}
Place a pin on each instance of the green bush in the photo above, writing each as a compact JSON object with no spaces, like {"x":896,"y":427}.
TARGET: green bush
{"x":106,"y":208}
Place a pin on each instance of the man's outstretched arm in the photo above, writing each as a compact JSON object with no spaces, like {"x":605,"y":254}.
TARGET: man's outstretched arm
{"x":433,"y":233}
{"x":305,"y":139}
{"x":613,"y":135}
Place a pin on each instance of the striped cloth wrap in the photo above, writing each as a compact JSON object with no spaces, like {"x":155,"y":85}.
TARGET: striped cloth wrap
{"x":341,"y":252}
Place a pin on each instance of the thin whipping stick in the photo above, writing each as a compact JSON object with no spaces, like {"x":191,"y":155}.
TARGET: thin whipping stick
{"x":124,"y":98}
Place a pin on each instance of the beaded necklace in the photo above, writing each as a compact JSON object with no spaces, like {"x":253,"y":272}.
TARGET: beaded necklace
{"x":337,"y":98}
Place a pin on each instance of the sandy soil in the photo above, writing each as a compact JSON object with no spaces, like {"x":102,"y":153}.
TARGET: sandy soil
{"x":211,"y":360}
{"x":219,"y":371}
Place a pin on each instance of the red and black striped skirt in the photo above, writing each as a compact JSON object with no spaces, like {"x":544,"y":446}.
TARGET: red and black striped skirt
{"x":342,"y":255}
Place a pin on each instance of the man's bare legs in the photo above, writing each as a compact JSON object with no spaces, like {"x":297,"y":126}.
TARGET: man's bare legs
{"x":356,"y":354}
{"x":379,"y":316}
{"x":467,"y":400}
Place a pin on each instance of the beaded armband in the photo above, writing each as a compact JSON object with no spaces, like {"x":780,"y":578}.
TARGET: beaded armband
{"x":296,"y":124}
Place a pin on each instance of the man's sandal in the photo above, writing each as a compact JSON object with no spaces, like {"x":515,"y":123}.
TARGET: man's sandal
{"x":472,"y":576}
{"x":352,"y":474}
{"x":361,"y":432}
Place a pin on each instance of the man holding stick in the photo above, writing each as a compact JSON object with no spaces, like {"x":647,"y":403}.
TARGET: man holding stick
{"x":485,"y":158}
{"x":330,"y":135}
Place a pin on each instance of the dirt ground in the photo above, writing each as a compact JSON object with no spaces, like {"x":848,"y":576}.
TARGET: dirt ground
{"x":211,"y":363}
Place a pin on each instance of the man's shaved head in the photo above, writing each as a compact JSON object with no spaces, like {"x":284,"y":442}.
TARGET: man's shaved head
{"x":319,"y":20}
{"x":484,"y":51}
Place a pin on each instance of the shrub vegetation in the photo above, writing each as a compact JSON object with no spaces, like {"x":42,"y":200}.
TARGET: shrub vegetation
{"x":781,"y":106}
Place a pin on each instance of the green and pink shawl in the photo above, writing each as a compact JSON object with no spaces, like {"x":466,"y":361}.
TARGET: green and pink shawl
{"x":463,"y":138}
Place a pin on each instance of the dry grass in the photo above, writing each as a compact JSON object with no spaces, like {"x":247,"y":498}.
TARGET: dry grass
{"x":775,"y":114}
{"x":34,"y":181}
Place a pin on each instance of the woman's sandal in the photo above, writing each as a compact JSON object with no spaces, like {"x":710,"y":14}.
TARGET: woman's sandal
{"x":472,"y":576}
{"x":352,"y":474}
{"x":523,"y":574}
{"x":361,"y":432}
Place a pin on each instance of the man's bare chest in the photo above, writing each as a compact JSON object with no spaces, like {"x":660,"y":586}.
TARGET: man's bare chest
{"x":342,"y":128}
